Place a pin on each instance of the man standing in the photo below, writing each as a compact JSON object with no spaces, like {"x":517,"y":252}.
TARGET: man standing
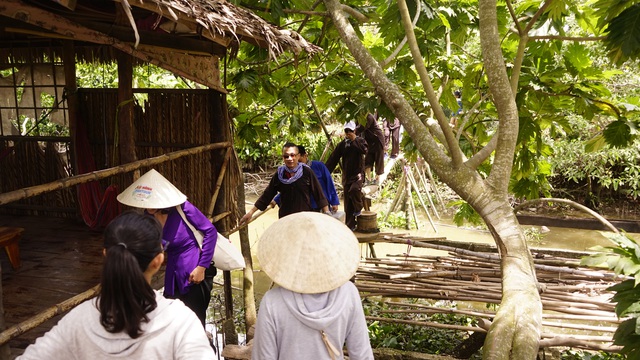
{"x":351,"y":150}
{"x":296,"y":183}
{"x":324,"y":178}
{"x":375,"y":140}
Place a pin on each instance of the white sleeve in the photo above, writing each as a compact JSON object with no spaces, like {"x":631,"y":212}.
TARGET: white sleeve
{"x":191,"y":339}
{"x":265,"y":344}
{"x":358,"y":344}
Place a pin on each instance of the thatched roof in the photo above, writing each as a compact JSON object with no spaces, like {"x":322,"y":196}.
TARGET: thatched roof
{"x":179,"y":22}
{"x":186,"y":37}
{"x":215,"y":18}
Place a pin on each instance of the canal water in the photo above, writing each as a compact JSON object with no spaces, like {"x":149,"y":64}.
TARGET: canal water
{"x":553,"y":238}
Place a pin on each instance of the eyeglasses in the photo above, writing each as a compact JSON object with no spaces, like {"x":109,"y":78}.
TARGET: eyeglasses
{"x":286,"y":156}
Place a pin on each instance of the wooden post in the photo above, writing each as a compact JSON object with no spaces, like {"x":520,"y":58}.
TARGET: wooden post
{"x":223,"y":170}
{"x":250,"y":314}
{"x":126,"y":129}
{"x":71,"y":90}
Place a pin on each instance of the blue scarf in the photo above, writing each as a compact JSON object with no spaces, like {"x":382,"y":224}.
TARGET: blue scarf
{"x":297,"y":173}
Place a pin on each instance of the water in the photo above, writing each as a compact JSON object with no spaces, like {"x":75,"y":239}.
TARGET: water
{"x":556,"y":238}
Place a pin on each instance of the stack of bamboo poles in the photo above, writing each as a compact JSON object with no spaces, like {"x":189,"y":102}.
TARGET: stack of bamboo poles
{"x":577,"y":309}
{"x":416,"y":178}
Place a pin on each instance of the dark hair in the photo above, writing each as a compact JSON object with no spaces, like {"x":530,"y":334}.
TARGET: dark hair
{"x":289,"y":144}
{"x":302,"y":150}
{"x":131,"y":241}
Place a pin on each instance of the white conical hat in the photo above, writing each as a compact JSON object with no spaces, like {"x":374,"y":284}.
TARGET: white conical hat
{"x":309,"y":252}
{"x":152,"y":191}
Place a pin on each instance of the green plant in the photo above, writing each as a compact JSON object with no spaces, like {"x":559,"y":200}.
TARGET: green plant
{"x":623,"y":259}
{"x":413,"y":337}
{"x":588,"y":355}
{"x":395,"y":220}
{"x":533,"y":235}
{"x":465,"y":213}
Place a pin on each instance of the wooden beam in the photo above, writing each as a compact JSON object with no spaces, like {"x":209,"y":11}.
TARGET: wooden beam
{"x":31,"y":191}
{"x":161,"y":40}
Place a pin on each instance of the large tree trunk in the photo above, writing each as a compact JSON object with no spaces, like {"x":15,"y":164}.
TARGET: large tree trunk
{"x":516,"y":329}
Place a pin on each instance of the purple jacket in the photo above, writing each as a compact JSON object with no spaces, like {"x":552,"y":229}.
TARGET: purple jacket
{"x":183,"y":252}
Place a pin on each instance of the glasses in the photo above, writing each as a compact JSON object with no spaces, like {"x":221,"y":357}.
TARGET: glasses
{"x":286,"y":156}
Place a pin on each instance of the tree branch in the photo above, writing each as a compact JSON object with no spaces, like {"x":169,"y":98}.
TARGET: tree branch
{"x":568,"y":38}
{"x":395,"y":52}
{"x":572,"y":203}
{"x":354,"y":13}
{"x":452,"y":144}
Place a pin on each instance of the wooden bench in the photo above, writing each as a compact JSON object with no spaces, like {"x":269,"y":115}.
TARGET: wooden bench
{"x":9,"y":238}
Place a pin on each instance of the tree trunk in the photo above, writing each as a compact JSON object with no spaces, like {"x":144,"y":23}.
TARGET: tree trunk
{"x":516,"y":330}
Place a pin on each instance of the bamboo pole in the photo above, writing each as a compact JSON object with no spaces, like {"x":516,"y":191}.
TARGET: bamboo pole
{"x":408,"y":202}
{"x":435,"y":189}
{"x":223,"y":170}
{"x":47,"y":314}
{"x":426,"y":190}
{"x":220,"y":216}
{"x":31,"y":191}
{"x":399,"y":194}
{"x":412,"y":180}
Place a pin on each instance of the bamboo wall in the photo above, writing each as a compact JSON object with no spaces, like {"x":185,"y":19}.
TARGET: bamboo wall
{"x":164,"y":121}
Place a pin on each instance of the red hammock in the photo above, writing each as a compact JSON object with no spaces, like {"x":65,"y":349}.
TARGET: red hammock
{"x":97,"y":208}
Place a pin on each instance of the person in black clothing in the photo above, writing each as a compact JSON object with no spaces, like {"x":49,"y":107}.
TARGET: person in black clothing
{"x":351,"y":150}
{"x":395,"y":138}
{"x":375,"y":141}
{"x":296,"y":183}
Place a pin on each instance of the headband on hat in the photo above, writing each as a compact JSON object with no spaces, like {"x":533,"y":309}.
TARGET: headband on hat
{"x":152,"y":191}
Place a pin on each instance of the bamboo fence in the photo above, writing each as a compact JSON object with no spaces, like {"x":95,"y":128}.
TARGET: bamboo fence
{"x":577,"y":310}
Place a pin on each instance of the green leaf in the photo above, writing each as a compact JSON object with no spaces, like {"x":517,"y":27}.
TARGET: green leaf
{"x":618,"y":134}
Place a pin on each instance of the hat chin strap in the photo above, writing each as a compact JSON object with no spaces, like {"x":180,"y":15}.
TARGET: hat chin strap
{"x":333,"y":352}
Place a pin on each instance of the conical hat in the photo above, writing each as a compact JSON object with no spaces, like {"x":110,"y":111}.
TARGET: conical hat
{"x":152,"y":191}
{"x":309,"y":252}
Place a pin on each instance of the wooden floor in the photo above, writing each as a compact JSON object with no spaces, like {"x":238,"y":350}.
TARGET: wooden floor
{"x":60,"y":259}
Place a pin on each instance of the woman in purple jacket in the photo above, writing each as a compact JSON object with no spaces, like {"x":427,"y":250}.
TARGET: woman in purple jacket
{"x":189,"y":273}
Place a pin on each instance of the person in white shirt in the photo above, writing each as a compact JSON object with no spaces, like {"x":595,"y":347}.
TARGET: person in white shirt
{"x":315,"y":310}
{"x":128,"y":319}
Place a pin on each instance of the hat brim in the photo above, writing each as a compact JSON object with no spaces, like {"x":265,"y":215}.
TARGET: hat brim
{"x":309,"y":253}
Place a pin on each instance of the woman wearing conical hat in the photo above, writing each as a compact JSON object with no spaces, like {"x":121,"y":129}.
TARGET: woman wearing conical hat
{"x":315,"y":310}
{"x":187,"y":259}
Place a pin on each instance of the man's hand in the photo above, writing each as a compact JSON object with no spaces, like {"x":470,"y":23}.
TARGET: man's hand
{"x":334,"y":208}
{"x":245,"y":219}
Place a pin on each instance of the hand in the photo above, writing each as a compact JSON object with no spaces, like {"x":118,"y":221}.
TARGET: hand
{"x":197,"y":275}
{"x":334,"y":208}
{"x":272,"y":204}
{"x":245,"y":219}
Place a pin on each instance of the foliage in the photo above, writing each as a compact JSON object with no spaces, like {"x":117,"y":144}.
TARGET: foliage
{"x":395,"y":220}
{"x":623,"y":259}
{"x":413,"y":337}
{"x":533,"y":235}
{"x":465,"y":214}
{"x":612,"y":169}
{"x":588,"y":355}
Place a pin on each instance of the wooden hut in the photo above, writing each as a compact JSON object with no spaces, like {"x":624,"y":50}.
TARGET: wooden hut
{"x":186,"y":134}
